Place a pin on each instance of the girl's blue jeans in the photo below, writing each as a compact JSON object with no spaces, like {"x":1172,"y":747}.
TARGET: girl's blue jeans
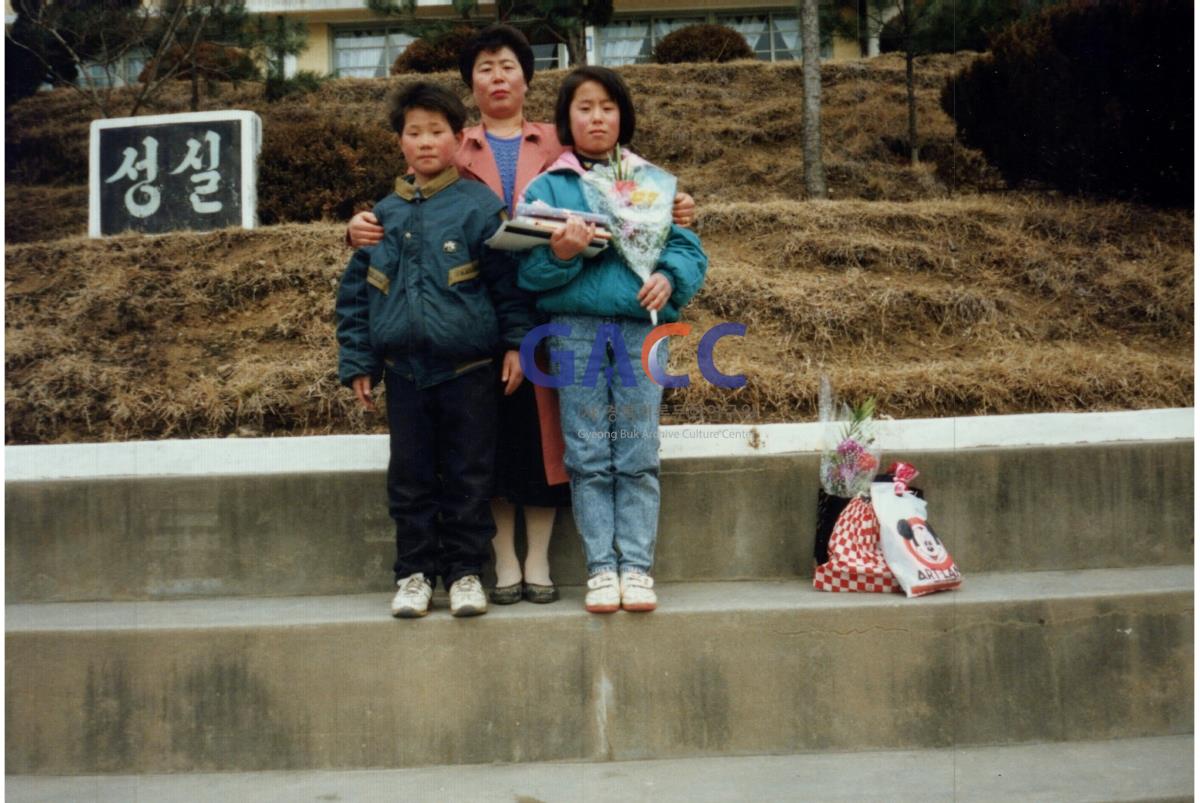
{"x":610,"y":426}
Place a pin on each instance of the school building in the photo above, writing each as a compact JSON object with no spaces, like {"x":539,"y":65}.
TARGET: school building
{"x":347,"y":39}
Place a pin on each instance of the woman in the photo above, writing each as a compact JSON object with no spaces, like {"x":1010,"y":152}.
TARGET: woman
{"x":506,"y":152}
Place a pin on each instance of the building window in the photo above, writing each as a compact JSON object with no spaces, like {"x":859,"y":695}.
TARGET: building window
{"x":772,"y":37}
{"x":545,"y":57}
{"x":755,"y":30}
{"x":120,"y":73}
{"x":625,"y":42}
{"x":367,"y":53}
{"x":633,"y":41}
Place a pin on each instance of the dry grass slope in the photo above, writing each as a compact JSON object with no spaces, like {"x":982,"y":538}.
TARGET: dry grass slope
{"x":976,"y":305}
{"x":730,"y":131}
{"x":937,"y":302}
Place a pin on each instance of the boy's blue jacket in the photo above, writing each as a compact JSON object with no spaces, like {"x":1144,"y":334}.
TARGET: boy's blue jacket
{"x":430,"y":300}
{"x":603,"y":285}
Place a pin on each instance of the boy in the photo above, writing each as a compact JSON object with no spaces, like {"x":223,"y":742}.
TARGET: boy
{"x":428,"y":309}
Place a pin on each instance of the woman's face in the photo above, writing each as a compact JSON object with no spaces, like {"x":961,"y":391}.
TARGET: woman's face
{"x":595,"y":120}
{"x":498,"y":83}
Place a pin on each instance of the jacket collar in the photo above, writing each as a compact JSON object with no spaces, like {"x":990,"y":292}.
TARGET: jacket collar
{"x":477,"y":136}
{"x":569,"y":161}
{"x":408,"y":191}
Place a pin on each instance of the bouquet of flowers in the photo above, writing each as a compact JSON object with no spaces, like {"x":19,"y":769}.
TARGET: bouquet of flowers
{"x":851,"y":454}
{"x":637,"y":198}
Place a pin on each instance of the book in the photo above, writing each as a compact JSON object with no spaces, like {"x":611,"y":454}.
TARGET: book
{"x":522,"y":234}
{"x":543,"y":211}
{"x":554,"y":225}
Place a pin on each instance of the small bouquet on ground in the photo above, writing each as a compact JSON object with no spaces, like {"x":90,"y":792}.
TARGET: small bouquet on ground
{"x":846,"y":548}
{"x":636,"y":198}
{"x":851,"y":454}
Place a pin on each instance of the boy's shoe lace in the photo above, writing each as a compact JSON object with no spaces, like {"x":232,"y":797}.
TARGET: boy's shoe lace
{"x":467,"y":597}
{"x":412,"y":597}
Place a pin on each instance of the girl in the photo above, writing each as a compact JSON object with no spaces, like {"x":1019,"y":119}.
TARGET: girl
{"x":601,"y":311}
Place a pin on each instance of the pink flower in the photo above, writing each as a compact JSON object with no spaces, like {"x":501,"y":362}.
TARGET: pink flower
{"x":849,"y":448}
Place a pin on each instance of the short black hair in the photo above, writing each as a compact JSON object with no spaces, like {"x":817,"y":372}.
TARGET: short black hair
{"x":491,"y":39}
{"x":431,"y":98}
{"x":613,"y":84}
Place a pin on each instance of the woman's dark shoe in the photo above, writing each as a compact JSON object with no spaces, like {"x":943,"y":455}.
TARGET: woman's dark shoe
{"x":506,"y":595}
{"x":540,"y":594}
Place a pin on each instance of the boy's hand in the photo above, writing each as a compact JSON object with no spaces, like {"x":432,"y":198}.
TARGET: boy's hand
{"x":364,"y":230}
{"x":510,"y":372}
{"x":655,"y":292}
{"x":684,"y":210}
{"x":569,"y":241}
{"x":362,"y":389}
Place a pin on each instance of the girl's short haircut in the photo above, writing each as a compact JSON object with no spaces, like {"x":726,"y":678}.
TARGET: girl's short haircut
{"x":491,"y":39}
{"x":613,"y":84}
{"x":431,"y":98}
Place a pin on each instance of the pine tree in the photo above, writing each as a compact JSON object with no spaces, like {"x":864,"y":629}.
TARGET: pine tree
{"x":277,"y":38}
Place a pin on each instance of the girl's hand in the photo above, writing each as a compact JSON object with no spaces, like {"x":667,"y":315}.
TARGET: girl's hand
{"x":362,"y":389}
{"x":655,"y":292}
{"x":364,"y":230}
{"x":569,"y":241}
{"x":684,"y":210}
{"x":510,"y":372}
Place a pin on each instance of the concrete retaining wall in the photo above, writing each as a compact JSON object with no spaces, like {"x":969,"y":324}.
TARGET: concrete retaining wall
{"x":720,"y":669}
{"x":999,"y":509}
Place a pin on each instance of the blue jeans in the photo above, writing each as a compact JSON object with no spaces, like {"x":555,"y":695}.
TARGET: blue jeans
{"x":611,"y":435}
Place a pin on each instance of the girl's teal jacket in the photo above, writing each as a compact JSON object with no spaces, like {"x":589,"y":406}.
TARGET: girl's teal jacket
{"x":603,"y":285}
{"x":430,"y":300}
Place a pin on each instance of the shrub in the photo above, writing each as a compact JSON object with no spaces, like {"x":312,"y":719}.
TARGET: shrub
{"x":23,"y":73}
{"x":1090,"y":97}
{"x":434,"y":52}
{"x":52,"y":153}
{"x":702,"y":43}
{"x":302,"y":83}
{"x":318,"y":168}
{"x":213,"y":63}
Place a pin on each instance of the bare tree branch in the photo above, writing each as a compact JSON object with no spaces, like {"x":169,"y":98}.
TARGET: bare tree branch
{"x":39,"y":21}
{"x":155,"y":80}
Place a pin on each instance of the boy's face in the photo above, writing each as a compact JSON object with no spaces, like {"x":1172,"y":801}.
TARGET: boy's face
{"x":498,"y":83}
{"x":428,"y":143}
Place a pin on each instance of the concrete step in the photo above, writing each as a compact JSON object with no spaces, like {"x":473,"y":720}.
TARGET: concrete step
{"x":148,"y":536}
{"x":1151,"y":769}
{"x":721,"y":669}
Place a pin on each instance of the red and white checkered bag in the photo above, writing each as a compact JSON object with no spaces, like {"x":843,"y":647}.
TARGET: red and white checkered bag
{"x":855,"y":555}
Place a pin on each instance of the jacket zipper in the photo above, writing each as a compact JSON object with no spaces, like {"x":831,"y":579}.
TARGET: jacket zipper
{"x":414,"y":291}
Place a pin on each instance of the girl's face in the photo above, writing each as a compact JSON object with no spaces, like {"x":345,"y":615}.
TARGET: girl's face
{"x":498,"y":83}
{"x":595,"y":120}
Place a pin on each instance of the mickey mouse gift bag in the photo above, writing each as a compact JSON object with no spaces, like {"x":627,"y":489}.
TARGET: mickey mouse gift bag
{"x":914,"y":552}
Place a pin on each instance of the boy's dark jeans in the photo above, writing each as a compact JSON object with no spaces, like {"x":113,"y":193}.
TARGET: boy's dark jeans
{"x":440,"y":474}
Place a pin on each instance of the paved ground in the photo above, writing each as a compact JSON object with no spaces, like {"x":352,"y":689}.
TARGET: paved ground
{"x":1156,"y":769}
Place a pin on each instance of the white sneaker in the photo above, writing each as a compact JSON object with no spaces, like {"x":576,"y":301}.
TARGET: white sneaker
{"x":467,"y":597}
{"x":412,"y":600}
{"x":637,"y":592}
{"x":603,"y":595}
